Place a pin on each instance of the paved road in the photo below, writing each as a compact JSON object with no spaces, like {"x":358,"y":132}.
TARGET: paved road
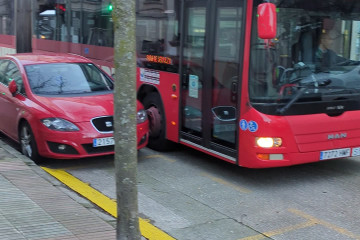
{"x":190,"y":195}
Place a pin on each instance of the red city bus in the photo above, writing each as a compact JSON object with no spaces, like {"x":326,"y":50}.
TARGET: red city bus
{"x":258,"y":85}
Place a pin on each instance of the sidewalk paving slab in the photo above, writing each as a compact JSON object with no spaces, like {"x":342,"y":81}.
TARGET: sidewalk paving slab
{"x":33,"y":206}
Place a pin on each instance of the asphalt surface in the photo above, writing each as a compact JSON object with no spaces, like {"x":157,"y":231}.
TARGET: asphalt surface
{"x":187,"y":195}
{"x":37,"y":203}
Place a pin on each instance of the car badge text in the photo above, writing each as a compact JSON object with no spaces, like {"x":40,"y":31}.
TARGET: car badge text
{"x":108,"y":124}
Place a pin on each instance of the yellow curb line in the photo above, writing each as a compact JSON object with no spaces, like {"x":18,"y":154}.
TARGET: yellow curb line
{"x":147,"y":230}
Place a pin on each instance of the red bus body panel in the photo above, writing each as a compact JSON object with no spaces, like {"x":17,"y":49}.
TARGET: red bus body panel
{"x":303,"y":136}
{"x":168,"y":86}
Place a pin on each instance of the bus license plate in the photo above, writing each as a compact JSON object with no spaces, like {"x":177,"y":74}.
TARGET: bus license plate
{"x":335,"y":153}
{"x":99,"y":142}
{"x":355,"y":152}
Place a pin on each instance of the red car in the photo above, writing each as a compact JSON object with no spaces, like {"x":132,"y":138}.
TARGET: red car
{"x":59,"y":106}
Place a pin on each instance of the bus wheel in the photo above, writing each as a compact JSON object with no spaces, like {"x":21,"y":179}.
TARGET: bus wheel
{"x":157,"y":126}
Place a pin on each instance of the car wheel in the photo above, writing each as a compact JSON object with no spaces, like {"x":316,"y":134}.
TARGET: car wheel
{"x":27,"y":142}
{"x":157,"y":126}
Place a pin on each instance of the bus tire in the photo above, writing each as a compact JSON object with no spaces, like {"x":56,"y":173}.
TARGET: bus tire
{"x":157,"y":125}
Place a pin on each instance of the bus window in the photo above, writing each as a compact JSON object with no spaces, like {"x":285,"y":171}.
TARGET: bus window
{"x":78,"y":21}
{"x":98,"y":24}
{"x":157,"y":35}
{"x":7,"y":18}
{"x":50,"y":22}
{"x":46,"y":24}
{"x":193,"y":52}
{"x":226,"y":74}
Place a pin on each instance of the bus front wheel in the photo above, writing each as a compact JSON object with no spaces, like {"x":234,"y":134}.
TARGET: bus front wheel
{"x":157,"y":126}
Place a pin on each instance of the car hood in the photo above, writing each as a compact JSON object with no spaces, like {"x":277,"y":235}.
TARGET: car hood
{"x":78,"y":109}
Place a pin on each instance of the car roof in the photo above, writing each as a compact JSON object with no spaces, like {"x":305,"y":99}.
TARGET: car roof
{"x":36,"y":58}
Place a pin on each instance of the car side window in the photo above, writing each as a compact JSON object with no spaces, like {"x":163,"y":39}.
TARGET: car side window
{"x":95,"y":78}
{"x":3,"y":67}
{"x":94,"y":75}
{"x":13,"y":73}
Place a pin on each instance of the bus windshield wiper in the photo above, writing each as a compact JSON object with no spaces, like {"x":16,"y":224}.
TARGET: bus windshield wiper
{"x":292,"y":101}
{"x":315,"y":84}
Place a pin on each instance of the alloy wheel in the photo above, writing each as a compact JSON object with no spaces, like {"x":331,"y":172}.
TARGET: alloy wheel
{"x":26,"y":138}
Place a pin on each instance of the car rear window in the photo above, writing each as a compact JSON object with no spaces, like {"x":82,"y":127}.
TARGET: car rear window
{"x":67,"y":78}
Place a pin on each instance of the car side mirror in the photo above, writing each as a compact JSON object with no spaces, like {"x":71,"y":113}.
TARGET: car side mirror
{"x":266,"y":14}
{"x":13,"y":87}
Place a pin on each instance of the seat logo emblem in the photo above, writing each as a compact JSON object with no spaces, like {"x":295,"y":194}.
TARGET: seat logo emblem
{"x":108,"y":124}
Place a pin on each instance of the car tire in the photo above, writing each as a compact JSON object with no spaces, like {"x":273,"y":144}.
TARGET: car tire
{"x":157,"y":125}
{"x":28,"y":144}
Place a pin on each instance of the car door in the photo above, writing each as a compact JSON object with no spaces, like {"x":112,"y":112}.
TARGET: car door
{"x":4,"y":93}
{"x":10,"y":106}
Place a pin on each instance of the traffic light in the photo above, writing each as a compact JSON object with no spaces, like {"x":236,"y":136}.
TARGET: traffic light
{"x":61,"y":7}
{"x":110,"y":7}
{"x":106,"y":8}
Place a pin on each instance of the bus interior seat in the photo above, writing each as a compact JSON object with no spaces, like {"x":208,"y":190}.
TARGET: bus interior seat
{"x":303,"y":50}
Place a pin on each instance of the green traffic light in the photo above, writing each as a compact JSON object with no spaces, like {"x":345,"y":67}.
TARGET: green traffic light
{"x":110,"y":7}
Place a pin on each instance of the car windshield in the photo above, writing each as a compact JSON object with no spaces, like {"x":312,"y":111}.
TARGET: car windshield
{"x":67,"y":78}
{"x":315,"y":54}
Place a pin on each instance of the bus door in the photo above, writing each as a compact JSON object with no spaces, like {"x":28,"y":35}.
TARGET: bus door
{"x":211,"y":53}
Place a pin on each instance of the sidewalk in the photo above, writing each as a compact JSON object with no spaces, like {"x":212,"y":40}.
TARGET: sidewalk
{"x":32,"y":206}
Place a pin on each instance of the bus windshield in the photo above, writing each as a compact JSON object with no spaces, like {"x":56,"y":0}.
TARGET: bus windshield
{"x":315,"y":58}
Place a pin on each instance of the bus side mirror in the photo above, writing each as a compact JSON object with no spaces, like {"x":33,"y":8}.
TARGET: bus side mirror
{"x":13,"y":87}
{"x":266,"y":14}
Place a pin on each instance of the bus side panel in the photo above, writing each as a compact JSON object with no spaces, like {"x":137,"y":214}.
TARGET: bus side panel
{"x":168,"y":86}
{"x":98,"y":52}
{"x":243,"y":154}
{"x":102,"y":56}
{"x":90,"y":51}
{"x":7,"y":44}
{"x":43,"y":45}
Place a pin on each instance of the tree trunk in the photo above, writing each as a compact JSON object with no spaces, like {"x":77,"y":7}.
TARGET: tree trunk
{"x":125,"y":120}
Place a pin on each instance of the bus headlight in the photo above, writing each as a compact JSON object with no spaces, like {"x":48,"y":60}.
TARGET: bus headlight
{"x":268,"y":142}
